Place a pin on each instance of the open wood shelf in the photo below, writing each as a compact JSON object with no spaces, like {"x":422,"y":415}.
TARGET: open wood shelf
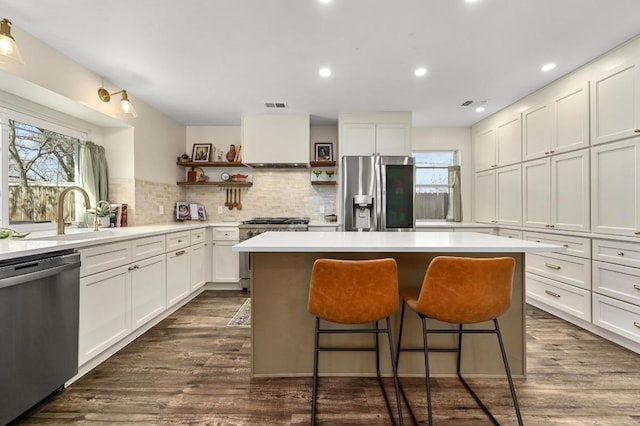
{"x":211,"y":164}
{"x":322,"y":163}
{"x":227,"y":184}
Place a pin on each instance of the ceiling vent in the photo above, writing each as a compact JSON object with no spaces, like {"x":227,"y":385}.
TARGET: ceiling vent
{"x":277,"y":105}
{"x":472,"y":103}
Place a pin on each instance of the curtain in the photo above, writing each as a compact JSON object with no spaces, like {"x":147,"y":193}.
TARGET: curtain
{"x":94,"y":176}
{"x":431,"y":206}
{"x":454,"y":210}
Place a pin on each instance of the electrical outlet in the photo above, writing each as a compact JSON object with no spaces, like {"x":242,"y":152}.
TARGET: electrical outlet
{"x":219,"y":209}
{"x":161,"y":210}
{"x":321,"y":209}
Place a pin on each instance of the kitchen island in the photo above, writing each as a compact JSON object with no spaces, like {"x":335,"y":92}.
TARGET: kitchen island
{"x":282,"y":330}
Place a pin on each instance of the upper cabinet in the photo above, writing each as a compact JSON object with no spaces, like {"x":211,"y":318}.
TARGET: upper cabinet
{"x":275,"y":139}
{"x":615,"y":188}
{"x":615,"y":103}
{"x":559,"y":125}
{"x":384,"y":133}
{"x":499,"y":144}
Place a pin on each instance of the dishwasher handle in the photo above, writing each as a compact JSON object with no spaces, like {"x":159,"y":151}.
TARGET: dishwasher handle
{"x":36,"y":275}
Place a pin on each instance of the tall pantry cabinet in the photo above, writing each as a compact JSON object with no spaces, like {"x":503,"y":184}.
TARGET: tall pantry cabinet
{"x":580,"y":174}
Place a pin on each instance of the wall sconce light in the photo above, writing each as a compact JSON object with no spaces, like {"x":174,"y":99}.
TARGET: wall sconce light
{"x":8,"y":46}
{"x":126,"y":107}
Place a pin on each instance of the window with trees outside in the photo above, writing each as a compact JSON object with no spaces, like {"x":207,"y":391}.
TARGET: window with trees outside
{"x":40,"y":161}
{"x":432,"y":183}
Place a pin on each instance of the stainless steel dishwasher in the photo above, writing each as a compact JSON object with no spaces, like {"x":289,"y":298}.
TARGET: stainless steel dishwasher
{"x":39,"y":309}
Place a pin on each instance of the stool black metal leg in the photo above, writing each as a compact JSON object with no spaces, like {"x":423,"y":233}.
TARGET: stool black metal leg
{"x":426,"y":369}
{"x":395,"y":373}
{"x":508,"y":371}
{"x":315,"y":373}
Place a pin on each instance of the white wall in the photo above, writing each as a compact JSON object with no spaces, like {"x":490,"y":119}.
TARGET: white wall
{"x":51,"y":79}
{"x":449,"y":138}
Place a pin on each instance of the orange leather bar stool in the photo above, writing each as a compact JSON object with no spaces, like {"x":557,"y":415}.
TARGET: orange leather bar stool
{"x":461,"y":290}
{"x":354,"y":292}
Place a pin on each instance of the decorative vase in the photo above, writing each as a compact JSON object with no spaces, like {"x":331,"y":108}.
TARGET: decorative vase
{"x":104,"y":221}
{"x":231,"y":155}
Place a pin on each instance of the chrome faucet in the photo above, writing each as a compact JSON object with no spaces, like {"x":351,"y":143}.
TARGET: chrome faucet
{"x":95,"y":216}
{"x":87,"y":204}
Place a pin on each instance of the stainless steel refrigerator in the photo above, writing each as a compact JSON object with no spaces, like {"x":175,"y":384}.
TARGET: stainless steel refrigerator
{"x":378,"y":193}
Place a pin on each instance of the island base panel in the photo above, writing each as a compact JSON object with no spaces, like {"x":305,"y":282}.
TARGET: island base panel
{"x":283,"y":329}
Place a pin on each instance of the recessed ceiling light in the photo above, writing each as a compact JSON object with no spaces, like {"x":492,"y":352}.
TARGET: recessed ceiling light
{"x":548,"y":67}
{"x":419,"y":72}
{"x":471,"y":1}
{"x":325,"y":1}
{"x":480,"y":109}
{"x":325,"y":72}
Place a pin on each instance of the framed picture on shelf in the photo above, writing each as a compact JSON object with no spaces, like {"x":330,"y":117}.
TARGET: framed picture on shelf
{"x":324,"y":151}
{"x":201,"y":152}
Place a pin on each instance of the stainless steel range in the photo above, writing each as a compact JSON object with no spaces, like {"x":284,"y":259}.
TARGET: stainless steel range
{"x":258,"y":225}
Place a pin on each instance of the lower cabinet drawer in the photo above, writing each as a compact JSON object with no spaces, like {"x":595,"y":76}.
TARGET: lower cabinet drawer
{"x":619,"y":282}
{"x":567,"y":298}
{"x":620,"y":252}
{"x":616,"y":316}
{"x":571,"y":270}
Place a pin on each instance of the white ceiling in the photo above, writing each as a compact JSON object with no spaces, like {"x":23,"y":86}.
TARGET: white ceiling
{"x":204,"y":62}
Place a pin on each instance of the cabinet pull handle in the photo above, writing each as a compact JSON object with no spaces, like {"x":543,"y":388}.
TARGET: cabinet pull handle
{"x":130,"y":268}
{"x":136,"y":267}
{"x":637,"y":131}
{"x":180,"y":253}
{"x":637,"y":286}
{"x":565,"y":245}
{"x":547,"y":152}
{"x":552,"y":266}
{"x":551,"y":152}
{"x":537,"y":241}
{"x":551,"y":293}
{"x":551,"y":226}
{"x":620,"y":253}
{"x":637,"y":233}
{"x":636,"y":323}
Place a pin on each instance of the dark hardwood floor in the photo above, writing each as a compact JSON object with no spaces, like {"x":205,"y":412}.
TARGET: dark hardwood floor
{"x":192,"y":369}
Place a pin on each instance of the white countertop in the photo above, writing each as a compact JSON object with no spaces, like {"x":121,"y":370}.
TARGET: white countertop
{"x":441,"y":242}
{"x":48,"y":241}
{"x":442,"y":224}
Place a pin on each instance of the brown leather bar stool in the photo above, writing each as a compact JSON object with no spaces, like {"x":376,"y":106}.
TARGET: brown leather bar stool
{"x":354,"y":292}
{"x":461,"y":290}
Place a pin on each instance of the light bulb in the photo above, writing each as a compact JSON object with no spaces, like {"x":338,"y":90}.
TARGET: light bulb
{"x":6,"y":45}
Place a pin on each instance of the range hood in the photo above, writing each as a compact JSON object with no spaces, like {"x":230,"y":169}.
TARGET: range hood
{"x":275,"y":140}
{"x":279,"y":165}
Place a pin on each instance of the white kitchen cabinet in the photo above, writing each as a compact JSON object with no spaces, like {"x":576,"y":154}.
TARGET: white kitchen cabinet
{"x":536,"y":131}
{"x":105,"y":311}
{"x":178,"y":275}
{"x":148,"y":289}
{"x":226,"y":262}
{"x":275,"y":138}
{"x":375,"y":133}
{"x":616,"y":287}
{"x":570,"y":119}
{"x":484,"y":149}
{"x":485,"y":197}
{"x":510,"y":233}
{"x":498,"y":196}
{"x":615,"y":188}
{"x":556,"y":192}
{"x":557,"y":126}
{"x":498,"y":145}
{"x":615,"y":103}
{"x":199,"y":266}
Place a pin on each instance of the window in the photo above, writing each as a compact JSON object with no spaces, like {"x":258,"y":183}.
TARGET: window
{"x":432,"y":183}
{"x":41,"y":160}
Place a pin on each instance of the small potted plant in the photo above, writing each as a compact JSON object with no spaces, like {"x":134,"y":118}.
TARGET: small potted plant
{"x":184,"y":158}
{"x":103,"y":210}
